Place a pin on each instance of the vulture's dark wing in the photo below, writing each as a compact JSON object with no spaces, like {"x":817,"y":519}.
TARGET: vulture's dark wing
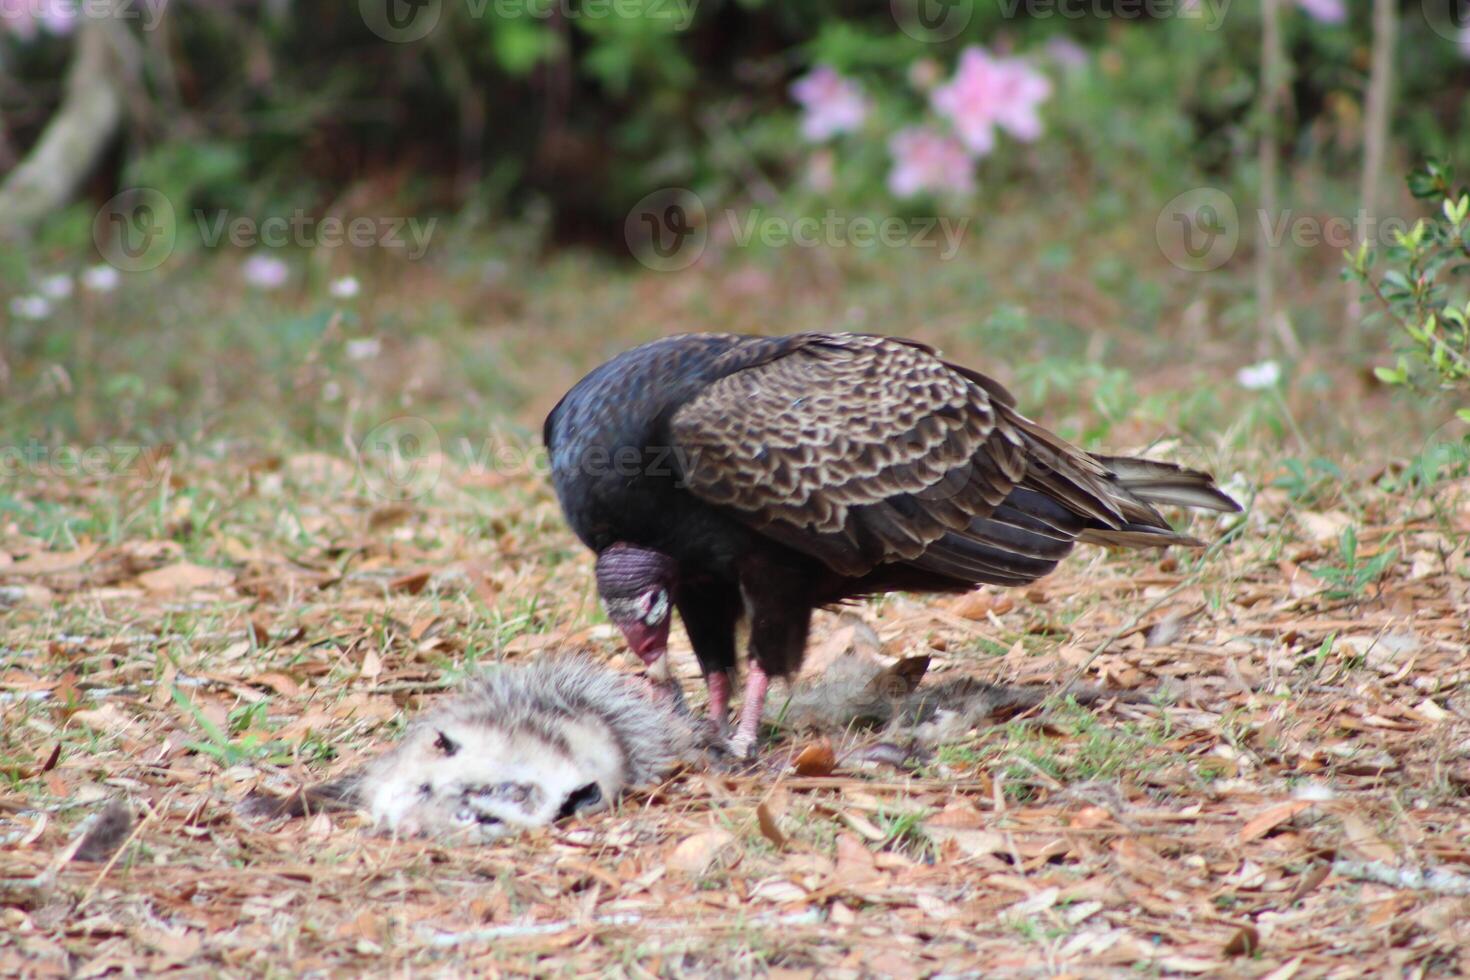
{"x":862,"y":450}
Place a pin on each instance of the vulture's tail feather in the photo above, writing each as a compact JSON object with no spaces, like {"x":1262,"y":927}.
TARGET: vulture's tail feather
{"x":1165,"y":483}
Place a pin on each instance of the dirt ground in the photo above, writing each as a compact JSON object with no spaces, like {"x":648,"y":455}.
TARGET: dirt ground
{"x":1288,"y":800}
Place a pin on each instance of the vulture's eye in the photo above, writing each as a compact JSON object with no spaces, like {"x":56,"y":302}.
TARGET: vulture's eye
{"x":446,"y":744}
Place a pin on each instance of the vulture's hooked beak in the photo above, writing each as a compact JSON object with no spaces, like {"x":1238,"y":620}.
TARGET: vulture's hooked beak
{"x":650,"y":643}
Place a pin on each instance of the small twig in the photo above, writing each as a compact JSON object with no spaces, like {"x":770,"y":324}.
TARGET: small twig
{"x":514,"y":930}
{"x":1436,"y":880}
{"x":1112,"y":638}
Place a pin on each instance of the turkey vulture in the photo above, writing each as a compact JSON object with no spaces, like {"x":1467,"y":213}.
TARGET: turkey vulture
{"x":734,"y":477}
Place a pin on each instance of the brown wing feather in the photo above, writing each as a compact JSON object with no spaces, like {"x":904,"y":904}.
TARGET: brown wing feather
{"x":864,"y":451}
{"x":856,"y":449}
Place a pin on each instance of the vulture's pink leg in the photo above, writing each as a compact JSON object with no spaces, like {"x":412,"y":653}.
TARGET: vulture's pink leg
{"x":748,"y":731}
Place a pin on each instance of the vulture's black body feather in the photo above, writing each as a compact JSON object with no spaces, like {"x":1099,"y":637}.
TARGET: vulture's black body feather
{"x":773,"y":475}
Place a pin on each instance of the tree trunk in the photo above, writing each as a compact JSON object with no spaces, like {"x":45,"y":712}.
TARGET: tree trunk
{"x":1273,"y":80}
{"x":1376,"y":115}
{"x":86,"y":121}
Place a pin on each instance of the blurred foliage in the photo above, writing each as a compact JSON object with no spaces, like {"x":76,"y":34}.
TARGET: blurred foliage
{"x":1420,"y":288}
{"x":580,"y":107}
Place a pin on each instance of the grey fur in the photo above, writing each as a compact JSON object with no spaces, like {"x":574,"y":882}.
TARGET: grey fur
{"x":520,"y":747}
{"x":857,"y":692}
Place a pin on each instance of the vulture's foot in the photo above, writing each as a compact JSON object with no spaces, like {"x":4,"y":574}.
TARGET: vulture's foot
{"x":741,"y":747}
{"x":747,"y":733}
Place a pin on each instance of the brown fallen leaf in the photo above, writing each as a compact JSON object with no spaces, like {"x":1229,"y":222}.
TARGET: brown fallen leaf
{"x":386,"y":517}
{"x":260,"y":633}
{"x":413,"y":583}
{"x":372,"y":664}
{"x":1266,"y":822}
{"x":817,"y":759}
{"x":855,"y":863}
{"x":1313,"y":877}
{"x":770,"y":830}
{"x":185,"y":576}
{"x":697,"y":854}
{"x":282,"y":684}
{"x":52,"y":562}
{"x":973,"y":605}
{"x":1366,"y":841}
{"x":1245,"y":942}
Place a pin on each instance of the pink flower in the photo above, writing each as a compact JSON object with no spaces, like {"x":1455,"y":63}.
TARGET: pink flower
{"x":1326,"y":11}
{"x":23,"y":18}
{"x":832,"y":104}
{"x":1066,"y":52}
{"x":927,"y":160}
{"x":988,"y":92}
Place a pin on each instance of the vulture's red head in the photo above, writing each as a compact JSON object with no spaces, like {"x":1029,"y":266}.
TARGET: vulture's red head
{"x":637,"y":589}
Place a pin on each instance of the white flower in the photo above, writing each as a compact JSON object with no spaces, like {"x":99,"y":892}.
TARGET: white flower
{"x":265,"y":272}
{"x":100,"y":279}
{"x":32,"y":307}
{"x":363,"y":348}
{"x":58,"y":286}
{"x":1258,"y":377}
{"x":345,"y":287}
